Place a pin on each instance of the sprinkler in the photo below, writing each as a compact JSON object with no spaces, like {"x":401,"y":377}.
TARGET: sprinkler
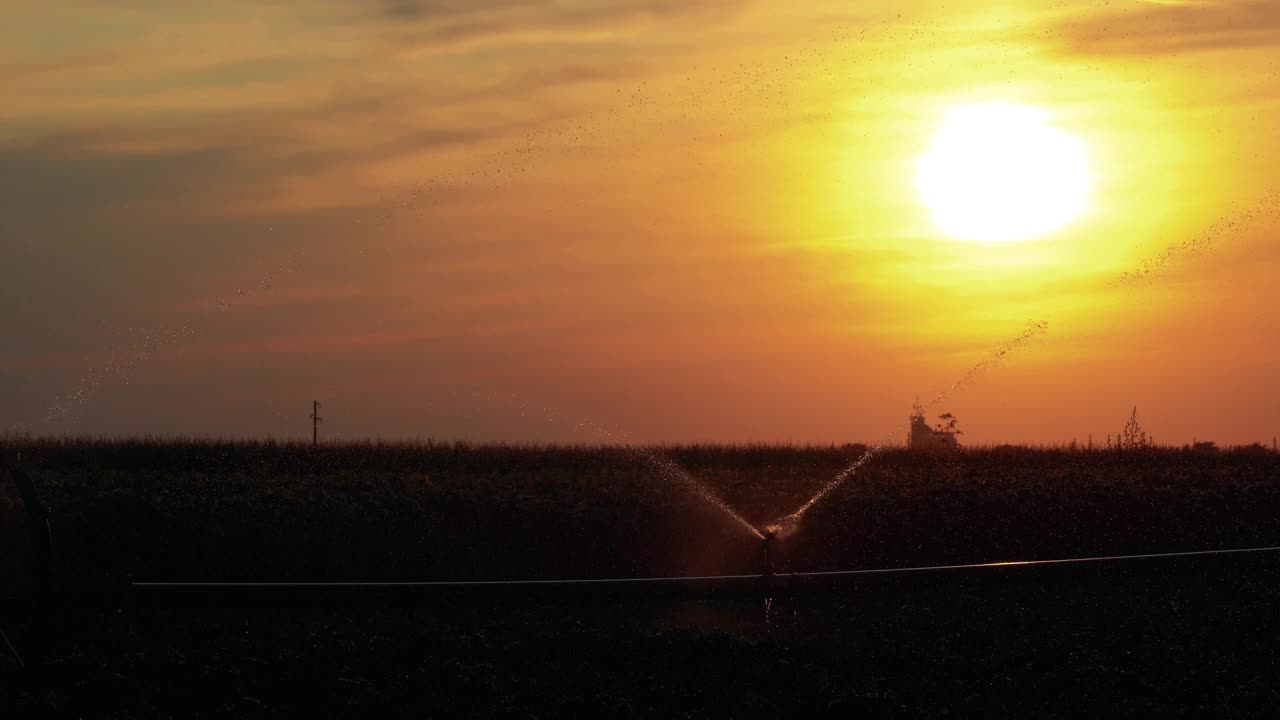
{"x":769,"y":535}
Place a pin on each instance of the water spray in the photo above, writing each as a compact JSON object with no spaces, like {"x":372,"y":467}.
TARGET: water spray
{"x":790,"y":523}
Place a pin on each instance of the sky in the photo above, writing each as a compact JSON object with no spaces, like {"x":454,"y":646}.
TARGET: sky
{"x":626,"y":221}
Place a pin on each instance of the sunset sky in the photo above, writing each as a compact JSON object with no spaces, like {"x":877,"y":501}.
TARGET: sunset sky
{"x":648,"y":220}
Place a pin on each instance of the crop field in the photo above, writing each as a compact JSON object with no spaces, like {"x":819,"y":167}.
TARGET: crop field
{"x":206,"y":511}
{"x":1142,"y":639}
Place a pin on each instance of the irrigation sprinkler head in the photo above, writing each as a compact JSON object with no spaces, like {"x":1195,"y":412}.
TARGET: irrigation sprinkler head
{"x":783,"y":527}
{"x":769,"y":534}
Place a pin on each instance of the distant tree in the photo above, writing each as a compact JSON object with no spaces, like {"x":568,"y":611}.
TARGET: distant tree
{"x":1254,"y":449}
{"x":1133,"y":437}
{"x":949,"y":424}
{"x":1206,"y":447}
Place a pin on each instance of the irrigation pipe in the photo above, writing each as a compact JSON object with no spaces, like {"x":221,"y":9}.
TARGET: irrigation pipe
{"x":705,"y":582}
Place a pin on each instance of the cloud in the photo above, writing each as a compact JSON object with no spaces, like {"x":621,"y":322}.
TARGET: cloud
{"x":102,"y":223}
{"x":1168,"y":28}
{"x":417,"y":10}
{"x":407,"y":9}
{"x":444,"y":26}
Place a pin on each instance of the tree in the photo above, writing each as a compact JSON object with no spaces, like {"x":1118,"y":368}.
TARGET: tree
{"x":1133,"y":437}
{"x":949,"y":424}
{"x":1206,"y":447}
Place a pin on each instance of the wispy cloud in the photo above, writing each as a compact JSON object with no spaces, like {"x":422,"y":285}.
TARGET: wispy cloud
{"x":1160,"y":28}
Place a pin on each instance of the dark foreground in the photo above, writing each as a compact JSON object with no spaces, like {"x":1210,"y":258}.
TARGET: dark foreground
{"x":1191,"y":637}
{"x":1183,"y":641}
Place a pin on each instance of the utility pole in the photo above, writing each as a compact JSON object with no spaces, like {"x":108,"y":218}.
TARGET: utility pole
{"x":315,"y":422}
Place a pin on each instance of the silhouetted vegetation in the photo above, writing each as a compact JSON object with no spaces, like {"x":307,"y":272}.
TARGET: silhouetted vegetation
{"x":1133,"y":437}
{"x":144,"y":509}
{"x":220,"y":510}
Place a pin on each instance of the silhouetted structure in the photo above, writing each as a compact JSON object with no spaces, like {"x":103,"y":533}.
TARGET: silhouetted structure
{"x":315,"y":422}
{"x":923,"y":437}
{"x":768,"y":552}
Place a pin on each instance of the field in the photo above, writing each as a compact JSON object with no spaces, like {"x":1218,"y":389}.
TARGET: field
{"x":1196,"y":636}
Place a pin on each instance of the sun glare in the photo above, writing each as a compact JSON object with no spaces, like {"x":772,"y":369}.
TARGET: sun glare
{"x":997,"y":172}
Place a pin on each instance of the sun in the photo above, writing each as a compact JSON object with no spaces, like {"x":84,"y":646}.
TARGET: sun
{"x":997,"y":172}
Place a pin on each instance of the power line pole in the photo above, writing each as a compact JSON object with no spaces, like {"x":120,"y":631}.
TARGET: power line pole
{"x":315,"y":422}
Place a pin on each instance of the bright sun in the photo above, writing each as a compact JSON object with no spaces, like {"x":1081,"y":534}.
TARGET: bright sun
{"x":997,"y":172}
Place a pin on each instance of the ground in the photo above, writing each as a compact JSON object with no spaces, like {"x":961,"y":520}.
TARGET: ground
{"x":1187,"y":637}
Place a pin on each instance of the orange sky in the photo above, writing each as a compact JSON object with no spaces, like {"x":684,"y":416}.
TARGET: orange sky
{"x":497,"y":219}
